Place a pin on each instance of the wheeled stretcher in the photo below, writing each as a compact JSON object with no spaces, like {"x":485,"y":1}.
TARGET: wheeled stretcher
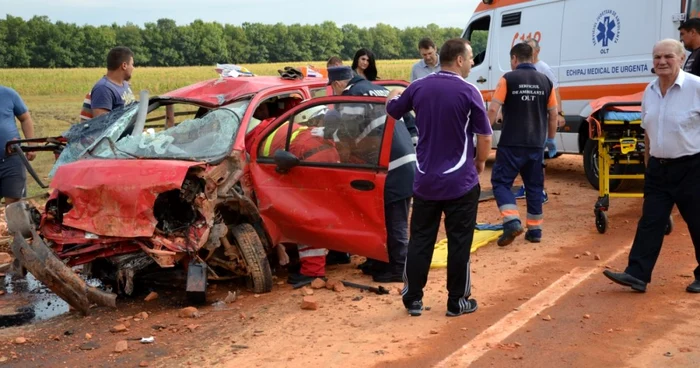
{"x":617,"y":127}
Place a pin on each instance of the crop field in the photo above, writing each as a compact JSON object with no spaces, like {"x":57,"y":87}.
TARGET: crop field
{"x":54,"y":96}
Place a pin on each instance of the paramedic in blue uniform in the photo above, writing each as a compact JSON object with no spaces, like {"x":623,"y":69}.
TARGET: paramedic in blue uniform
{"x":529,"y":108}
{"x":671,"y":120}
{"x":399,"y":181}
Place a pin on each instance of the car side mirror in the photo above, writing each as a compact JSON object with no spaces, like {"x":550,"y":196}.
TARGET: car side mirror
{"x":285,"y":161}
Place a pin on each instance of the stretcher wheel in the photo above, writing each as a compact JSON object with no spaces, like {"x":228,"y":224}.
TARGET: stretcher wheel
{"x":601,"y":221}
{"x":669,"y":225}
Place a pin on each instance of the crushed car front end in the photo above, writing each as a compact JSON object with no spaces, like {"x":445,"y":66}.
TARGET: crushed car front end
{"x":126,"y":201}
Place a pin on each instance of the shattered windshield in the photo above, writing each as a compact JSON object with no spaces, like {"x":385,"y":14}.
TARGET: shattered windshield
{"x":206,"y":138}
{"x":201,"y":139}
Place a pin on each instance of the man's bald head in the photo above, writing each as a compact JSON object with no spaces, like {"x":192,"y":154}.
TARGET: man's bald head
{"x":674,"y":45}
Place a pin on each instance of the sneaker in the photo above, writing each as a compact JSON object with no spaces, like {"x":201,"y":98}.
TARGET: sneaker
{"x":416,"y":308}
{"x":545,"y":197}
{"x":511,"y":230}
{"x":466,"y":306}
{"x":533,"y":236}
{"x":520,"y":193}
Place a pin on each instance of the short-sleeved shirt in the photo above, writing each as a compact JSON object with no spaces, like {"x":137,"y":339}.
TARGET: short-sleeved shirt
{"x":545,"y":69}
{"x":449,"y":111}
{"x":672,"y":122}
{"x":527,"y":96}
{"x":11,"y":107}
{"x":421,"y":69}
{"x":692,"y":64}
{"x":109,"y":96}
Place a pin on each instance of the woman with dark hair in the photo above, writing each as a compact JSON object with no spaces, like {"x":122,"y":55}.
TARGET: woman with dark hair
{"x":364,"y":65}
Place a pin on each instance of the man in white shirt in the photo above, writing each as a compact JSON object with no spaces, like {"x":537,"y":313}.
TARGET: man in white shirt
{"x":671,"y":120}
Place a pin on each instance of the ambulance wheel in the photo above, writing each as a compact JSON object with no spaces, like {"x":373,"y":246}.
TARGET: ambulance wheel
{"x":253,"y":252}
{"x":669,"y":225}
{"x":601,"y":221}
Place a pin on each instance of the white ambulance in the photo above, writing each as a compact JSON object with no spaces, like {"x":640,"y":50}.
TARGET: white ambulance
{"x":596,"y":48}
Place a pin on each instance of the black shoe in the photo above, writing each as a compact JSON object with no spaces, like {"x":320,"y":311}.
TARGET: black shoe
{"x":416,"y":308}
{"x":533,"y":236}
{"x":511,"y":230}
{"x":335,"y":258}
{"x":626,"y":280}
{"x":694,"y":287}
{"x":297,"y":278}
{"x":372,"y":267}
{"x":466,"y":306}
{"x":388,"y":276}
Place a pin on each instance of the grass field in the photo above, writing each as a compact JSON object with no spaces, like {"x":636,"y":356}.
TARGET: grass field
{"x":54,"y":96}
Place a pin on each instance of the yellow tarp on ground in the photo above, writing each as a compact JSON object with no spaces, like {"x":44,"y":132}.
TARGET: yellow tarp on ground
{"x":481,"y":238}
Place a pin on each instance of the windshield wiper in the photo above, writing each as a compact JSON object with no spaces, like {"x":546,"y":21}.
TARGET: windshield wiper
{"x":112,"y":146}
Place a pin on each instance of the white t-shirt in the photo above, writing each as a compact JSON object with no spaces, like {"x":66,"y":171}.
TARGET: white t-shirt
{"x":545,"y":69}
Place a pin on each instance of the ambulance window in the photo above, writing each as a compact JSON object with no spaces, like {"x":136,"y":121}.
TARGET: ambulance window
{"x":693,"y":9}
{"x":478,"y":35}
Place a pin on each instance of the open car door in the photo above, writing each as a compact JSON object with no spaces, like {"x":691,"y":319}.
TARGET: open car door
{"x":325,"y":190}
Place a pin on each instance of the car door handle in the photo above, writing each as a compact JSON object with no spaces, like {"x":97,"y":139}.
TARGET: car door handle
{"x":481,"y":80}
{"x":364,"y":185}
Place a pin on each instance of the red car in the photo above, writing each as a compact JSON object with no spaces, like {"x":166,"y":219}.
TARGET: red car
{"x":128,"y":199}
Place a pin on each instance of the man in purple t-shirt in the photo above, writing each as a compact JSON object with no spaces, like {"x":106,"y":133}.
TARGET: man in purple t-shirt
{"x":449,"y":111}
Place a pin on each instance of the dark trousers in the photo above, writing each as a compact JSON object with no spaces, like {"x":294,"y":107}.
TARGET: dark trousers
{"x":396,"y":218}
{"x":511,"y":161}
{"x":666,"y":183}
{"x":460,"y":220}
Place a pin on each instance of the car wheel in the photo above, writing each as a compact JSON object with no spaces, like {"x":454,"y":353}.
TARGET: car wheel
{"x":590,"y":166}
{"x":253,"y":252}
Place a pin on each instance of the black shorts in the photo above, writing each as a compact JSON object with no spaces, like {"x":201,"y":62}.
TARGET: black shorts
{"x":13,"y":177}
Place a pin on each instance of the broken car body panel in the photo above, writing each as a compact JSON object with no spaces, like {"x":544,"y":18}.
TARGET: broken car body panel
{"x":116,"y":197}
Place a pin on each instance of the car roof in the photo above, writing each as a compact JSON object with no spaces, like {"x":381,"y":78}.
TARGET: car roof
{"x":221,"y":91}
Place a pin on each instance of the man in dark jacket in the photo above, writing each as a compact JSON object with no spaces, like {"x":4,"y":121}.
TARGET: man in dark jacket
{"x":529,"y":106}
{"x":399,"y":182}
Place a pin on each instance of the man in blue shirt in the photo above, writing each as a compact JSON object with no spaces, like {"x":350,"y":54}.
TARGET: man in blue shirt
{"x":13,"y":177}
{"x":112,"y":90}
{"x":430,"y":62}
{"x":450,"y":111}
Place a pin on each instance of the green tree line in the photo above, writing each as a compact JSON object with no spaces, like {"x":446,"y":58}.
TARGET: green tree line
{"x":41,"y":43}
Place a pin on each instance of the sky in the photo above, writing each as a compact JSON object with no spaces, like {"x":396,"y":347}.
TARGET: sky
{"x":364,"y":13}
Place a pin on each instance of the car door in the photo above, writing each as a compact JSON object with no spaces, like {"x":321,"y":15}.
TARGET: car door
{"x":325,"y":191}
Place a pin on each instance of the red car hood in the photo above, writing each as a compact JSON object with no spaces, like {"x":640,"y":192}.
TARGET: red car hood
{"x":116,"y":197}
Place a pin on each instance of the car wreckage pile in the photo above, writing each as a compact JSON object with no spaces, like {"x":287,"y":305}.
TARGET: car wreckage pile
{"x":136,"y":213}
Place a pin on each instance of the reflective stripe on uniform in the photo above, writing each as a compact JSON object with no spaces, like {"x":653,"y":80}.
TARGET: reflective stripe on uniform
{"x":402,"y":161}
{"x":509,"y":212}
{"x":534,"y":221}
{"x":376,"y":123}
{"x":271,"y":137}
{"x":306,"y":252}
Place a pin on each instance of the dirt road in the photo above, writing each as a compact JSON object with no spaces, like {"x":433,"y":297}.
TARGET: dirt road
{"x":539,"y":305}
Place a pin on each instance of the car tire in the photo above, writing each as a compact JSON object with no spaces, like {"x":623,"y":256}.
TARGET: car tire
{"x":253,"y":252}
{"x":590,"y":166}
